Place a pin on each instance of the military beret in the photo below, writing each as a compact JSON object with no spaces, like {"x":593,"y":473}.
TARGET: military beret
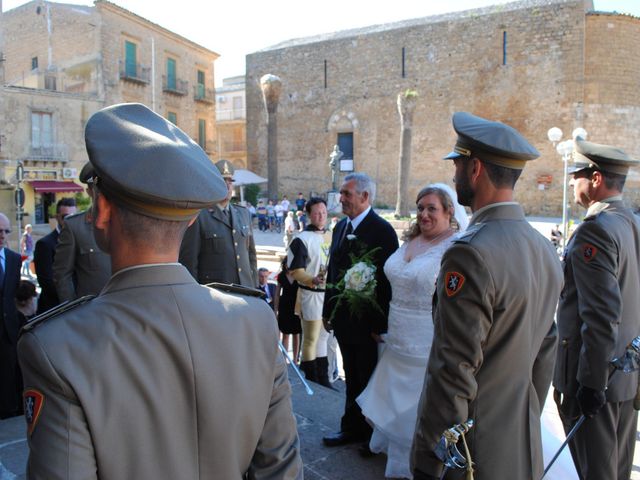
{"x":147,"y":164}
{"x":492,"y":142}
{"x":87,"y":173}
{"x":225,"y":168}
{"x":600,"y":157}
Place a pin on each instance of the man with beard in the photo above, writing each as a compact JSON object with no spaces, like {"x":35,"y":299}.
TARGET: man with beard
{"x":495,"y":338}
{"x":598,"y":316}
{"x":158,"y":376}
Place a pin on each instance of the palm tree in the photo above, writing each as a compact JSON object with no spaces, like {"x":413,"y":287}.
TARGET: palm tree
{"x":407,"y":101}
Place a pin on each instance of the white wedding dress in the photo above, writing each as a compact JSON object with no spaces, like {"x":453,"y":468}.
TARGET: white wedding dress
{"x":390,"y":401}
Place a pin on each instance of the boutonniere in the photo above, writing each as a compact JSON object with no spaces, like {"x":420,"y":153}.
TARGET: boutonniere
{"x":351,"y":236}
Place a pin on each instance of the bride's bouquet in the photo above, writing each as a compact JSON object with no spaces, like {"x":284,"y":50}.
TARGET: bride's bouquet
{"x":358,"y":285}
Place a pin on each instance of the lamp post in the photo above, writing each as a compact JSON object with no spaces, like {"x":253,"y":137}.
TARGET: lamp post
{"x":565,"y":149}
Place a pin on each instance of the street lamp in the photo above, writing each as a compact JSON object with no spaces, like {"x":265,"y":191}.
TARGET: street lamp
{"x":565,"y":149}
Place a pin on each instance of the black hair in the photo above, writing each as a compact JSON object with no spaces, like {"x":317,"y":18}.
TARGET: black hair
{"x":502,"y":177}
{"x":65,"y":202}
{"x":313,"y":201}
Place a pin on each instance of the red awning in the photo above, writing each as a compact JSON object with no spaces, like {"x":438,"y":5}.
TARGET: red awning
{"x":52,"y":186}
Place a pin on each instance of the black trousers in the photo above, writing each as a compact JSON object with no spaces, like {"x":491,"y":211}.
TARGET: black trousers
{"x":10,"y":381}
{"x":359,"y":361}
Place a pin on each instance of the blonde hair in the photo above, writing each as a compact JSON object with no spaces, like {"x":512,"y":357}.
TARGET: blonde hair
{"x":447,"y":205}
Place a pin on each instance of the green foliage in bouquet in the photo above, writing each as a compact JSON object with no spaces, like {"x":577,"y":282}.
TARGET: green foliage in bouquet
{"x":357,"y":286}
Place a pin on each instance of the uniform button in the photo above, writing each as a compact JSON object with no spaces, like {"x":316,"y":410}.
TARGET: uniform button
{"x":565,"y":342}
{"x":91,"y":250}
{"x":239,"y":269}
{"x":234,"y":231}
{"x":238,"y":257}
{"x":236,"y":244}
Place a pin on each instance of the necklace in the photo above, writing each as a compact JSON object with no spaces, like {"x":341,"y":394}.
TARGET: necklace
{"x":429,"y":242}
{"x":422,"y":245}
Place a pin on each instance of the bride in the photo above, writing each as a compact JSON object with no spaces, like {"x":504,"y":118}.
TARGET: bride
{"x":390,"y":400}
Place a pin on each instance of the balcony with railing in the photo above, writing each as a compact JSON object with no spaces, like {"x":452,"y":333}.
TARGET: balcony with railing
{"x":229,"y":114}
{"x":232,"y":147}
{"x":47,"y":153}
{"x":134,"y":72}
{"x":174,"y":85}
{"x":202,"y":94}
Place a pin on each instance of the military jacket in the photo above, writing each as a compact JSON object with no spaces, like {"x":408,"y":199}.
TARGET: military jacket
{"x":80,"y":268}
{"x":494,"y":346}
{"x":220,"y":249}
{"x":599,"y":309}
{"x":159,"y":377}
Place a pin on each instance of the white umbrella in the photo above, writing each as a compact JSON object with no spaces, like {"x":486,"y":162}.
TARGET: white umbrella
{"x":242,"y":177}
{"x":246,"y":177}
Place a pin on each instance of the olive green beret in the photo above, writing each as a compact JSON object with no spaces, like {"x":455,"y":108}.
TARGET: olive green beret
{"x":491,"y":142}
{"x":604,"y":158}
{"x":149,"y":165}
{"x":225,"y":168}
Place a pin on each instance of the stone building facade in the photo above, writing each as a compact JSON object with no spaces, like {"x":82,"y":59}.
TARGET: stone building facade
{"x":64,"y":62}
{"x":533,"y":64}
{"x":231,"y":121}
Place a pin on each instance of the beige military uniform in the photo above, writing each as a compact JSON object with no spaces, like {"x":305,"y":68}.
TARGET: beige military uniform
{"x":159,"y":378}
{"x":494,"y":346}
{"x":80,"y":268}
{"x":221,"y":249}
{"x":598,"y":316}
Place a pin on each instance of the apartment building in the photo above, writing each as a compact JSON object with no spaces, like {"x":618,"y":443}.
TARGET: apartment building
{"x":231,"y":123}
{"x":64,"y":62}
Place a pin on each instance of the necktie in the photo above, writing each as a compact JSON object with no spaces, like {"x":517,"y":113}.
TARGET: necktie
{"x":1,"y":274}
{"x":347,"y":231}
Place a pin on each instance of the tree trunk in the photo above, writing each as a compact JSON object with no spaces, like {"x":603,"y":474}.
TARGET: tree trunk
{"x":271,"y":87}
{"x":406,"y":106}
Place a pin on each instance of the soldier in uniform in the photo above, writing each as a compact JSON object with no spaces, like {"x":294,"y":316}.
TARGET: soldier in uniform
{"x":157,"y":377}
{"x":495,"y":338}
{"x":80,"y":268}
{"x":598,"y":317}
{"x":219,"y":246}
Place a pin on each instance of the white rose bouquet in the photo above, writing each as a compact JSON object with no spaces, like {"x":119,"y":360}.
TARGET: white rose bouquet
{"x":358,"y":285}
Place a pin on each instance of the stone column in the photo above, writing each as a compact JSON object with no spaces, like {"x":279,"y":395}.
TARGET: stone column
{"x":406,"y":106}
{"x":271,"y":87}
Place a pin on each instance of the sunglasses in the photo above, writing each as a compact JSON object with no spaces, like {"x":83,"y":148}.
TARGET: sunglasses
{"x":5,"y":230}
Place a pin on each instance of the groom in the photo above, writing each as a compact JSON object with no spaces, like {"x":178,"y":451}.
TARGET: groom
{"x":358,"y":335}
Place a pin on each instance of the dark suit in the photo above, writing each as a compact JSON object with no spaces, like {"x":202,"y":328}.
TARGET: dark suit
{"x":43,"y":257}
{"x":220,"y":249}
{"x":271,"y":293}
{"x":10,"y":378}
{"x":359,"y":349}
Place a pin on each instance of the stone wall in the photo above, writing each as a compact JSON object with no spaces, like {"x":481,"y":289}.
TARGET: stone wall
{"x":454,"y":62}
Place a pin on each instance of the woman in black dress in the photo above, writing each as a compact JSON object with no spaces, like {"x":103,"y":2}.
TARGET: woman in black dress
{"x":284,"y":305}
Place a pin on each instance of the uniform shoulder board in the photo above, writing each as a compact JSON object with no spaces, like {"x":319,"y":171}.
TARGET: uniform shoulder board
{"x":235,"y":288}
{"x":469,"y":233}
{"x":240,"y":206}
{"x":55,"y":311}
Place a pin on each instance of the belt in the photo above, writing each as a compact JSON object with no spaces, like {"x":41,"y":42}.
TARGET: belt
{"x":304,"y":287}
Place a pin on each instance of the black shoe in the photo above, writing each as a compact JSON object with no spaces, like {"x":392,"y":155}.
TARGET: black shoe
{"x":365,"y":451}
{"x":341,"y":438}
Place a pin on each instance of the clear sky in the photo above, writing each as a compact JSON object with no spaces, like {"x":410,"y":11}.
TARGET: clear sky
{"x":234,"y":28}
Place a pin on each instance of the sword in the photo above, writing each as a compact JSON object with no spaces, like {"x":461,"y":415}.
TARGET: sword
{"x":447,"y":451}
{"x":628,"y":362}
{"x":295,"y":368}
